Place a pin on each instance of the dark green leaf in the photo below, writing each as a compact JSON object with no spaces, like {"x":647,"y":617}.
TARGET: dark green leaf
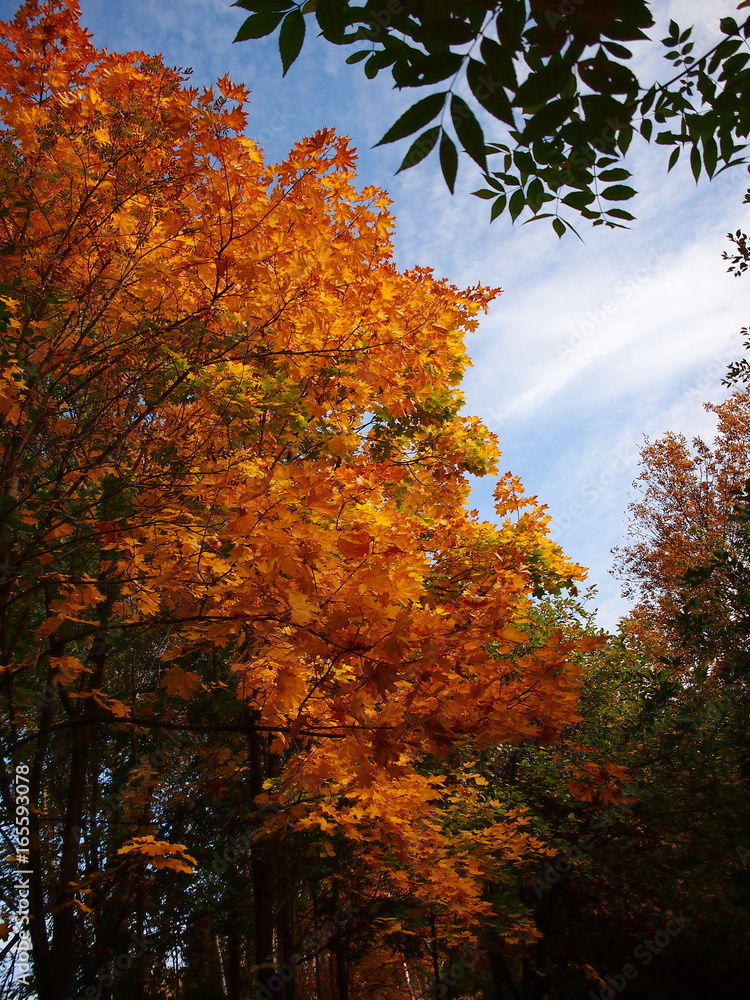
{"x":674,"y":157}
{"x":510,"y":22}
{"x":710,"y":154}
{"x":618,"y":192}
{"x":695,"y":162}
{"x":422,"y":69}
{"x":448,"y":161}
{"x":618,"y":30}
{"x":517,"y":204}
{"x":468,"y":130}
{"x":618,"y":174}
{"x":356,"y":57}
{"x":291,"y":37}
{"x":547,"y":121}
{"x":484,"y":193}
{"x":648,"y":99}
{"x":542,"y":86}
{"x":418,"y":115}
{"x":447,"y":31}
{"x":618,"y":50}
{"x":620,"y":213}
{"x":729,"y":26}
{"x":489,"y":92}
{"x":647,"y":127}
{"x":624,"y":138}
{"x":421,"y":147}
{"x":579,"y":199}
{"x":559,"y":226}
{"x":499,"y":63}
{"x":524,"y":161}
{"x":258,"y":25}
{"x":264,"y":6}
{"x":498,"y":208}
{"x":334,"y":18}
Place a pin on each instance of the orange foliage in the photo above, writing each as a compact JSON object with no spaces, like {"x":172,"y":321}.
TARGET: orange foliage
{"x":685,"y":517}
{"x":231,"y":427}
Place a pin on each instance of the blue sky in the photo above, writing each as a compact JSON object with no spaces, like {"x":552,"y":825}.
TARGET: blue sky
{"x":592,"y":345}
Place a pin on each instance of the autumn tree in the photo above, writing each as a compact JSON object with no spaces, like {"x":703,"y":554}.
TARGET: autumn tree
{"x":687,"y":566}
{"x":243,"y":593}
{"x":541,"y":94}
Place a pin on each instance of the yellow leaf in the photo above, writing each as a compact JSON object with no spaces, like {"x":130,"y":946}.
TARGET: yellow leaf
{"x":179,"y":682}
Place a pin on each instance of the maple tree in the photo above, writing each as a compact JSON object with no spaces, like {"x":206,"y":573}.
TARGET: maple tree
{"x":242,"y":587}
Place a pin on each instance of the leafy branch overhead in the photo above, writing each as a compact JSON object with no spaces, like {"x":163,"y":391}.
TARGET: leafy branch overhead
{"x":550,"y":101}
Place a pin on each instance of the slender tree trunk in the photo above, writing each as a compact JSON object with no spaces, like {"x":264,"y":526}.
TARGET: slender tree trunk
{"x":263,"y":861}
{"x":286,"y":916}
{"x":435,"y":958}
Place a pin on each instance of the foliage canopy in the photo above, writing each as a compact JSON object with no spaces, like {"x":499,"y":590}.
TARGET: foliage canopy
{"x":541,"y":94}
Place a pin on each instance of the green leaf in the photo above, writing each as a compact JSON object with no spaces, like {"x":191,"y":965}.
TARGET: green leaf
{"x":421,"y":147}
{"x":647,"y":127}
{"x":695,"y":162}
{"x":333,"y":18}
{"x":618,"y":50}
{"x":624,"y":138}
{"x":710,"y":154}
{"x":448,"y":161}
{"x":620,"y":213}
{"x":356,"y":57}
{"x":548,"y":120}
{"x":618,"y":174}
{"x":499,"y":207}
{"x":540,"y":87}
{"x":291,"y":37}
{"x":499,"y":64}
{"x":517,"y":204}
{"x":258,"y":25}
{"x":485,"y":193}
{"x":579,"y":199}
{"x":559,"y":226}
{"x":448,"y":31}
{"x":264,"y":6}
{"x":729,"y":26}
{"x":618,"y":192}
{"x":422,"y":69}
{"x":468,"y":130}
{"x":489,"y":92}
{"x":418,"y":115}
{"x":674,"y":157}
